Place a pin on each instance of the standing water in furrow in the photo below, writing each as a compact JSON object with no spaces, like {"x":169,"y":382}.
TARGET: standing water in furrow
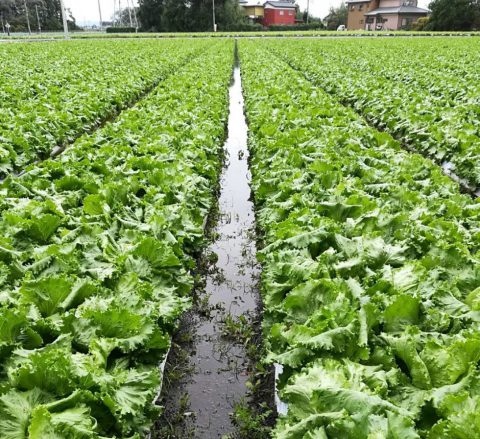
{"x":211,"y":370}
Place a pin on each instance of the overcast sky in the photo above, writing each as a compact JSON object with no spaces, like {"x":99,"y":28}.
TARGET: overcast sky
{"x":87,"y":10}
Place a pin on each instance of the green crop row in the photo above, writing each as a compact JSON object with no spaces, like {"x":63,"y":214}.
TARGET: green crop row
{"x":96,"y":257}
{"x":371,"y":274}
{"x":425,"y":92}
{"x":51,"y":93}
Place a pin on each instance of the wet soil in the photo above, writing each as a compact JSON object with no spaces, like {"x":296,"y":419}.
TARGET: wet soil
{"x":211,"y":360}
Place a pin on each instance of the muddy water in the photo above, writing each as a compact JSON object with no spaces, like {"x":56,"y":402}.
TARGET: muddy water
{"x":218,"y":364}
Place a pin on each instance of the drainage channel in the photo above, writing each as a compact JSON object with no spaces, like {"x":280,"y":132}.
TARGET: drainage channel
{"x":214,"y":361}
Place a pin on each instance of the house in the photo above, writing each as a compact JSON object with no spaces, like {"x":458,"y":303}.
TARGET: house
{"x":356,"y":12}
{"x":383,"y":14}
{"x":252,"y":9}
{"x":270,"y":13}
{"x":279,"y":13}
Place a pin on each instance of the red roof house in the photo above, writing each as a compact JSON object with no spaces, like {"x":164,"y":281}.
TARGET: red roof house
{"x":279,"y":13}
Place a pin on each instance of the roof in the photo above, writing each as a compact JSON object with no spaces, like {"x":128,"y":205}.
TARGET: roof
{"x":399,"y":10}
{"x":279,"y":4}
{"x":250,"y":3}
{"x":358,"y":1}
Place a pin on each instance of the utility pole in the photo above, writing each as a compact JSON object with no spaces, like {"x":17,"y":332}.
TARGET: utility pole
{"x":213,"y":11}
{"x":129,"y":13}
{"x":135,"y":15}
{"x":3,"y":24}
{"x":120,"y":22}
{"x":308,"y":10}
{"x":28,"y":18}
{"x":114,"y":12}
{"x":38,"y":20}
{"x":100,"y":14}
{"x":64,"y":19}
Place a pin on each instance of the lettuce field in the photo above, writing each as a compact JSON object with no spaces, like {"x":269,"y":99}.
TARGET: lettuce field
{"x":364,"y":156}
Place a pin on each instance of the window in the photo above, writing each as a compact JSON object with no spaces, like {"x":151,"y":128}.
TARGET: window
{"x":361,"y":21}
{"x":360,"y":7}
{"x":290,"y":12}
{"x":407,"y":23}
{"x":352,"y":8}
{"x":370,"y":20}
{"x":282,"y":12}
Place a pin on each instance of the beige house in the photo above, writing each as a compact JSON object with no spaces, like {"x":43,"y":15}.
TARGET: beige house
{"x":383,"y":14}
{"x":253,"y":9}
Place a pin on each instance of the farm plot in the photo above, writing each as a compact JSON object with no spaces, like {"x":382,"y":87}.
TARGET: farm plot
{"x":51,"y":93}
{"x":370,"y":258}
{"x":371,"y":277}
{"x":96,"y":258}
{"x":425,"y":92}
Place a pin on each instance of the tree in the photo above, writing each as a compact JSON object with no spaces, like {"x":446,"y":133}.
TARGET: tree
{"x":336,"y":17}
{"x":230,"y":15}
{"x":150,"y":14}
{"x":420,"y":24}
{"x":189,"y":15}
{"x":454,"y":15}
{"x":174,"y":16}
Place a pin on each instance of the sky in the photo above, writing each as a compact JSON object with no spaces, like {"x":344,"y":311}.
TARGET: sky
{"x":87,"y":10}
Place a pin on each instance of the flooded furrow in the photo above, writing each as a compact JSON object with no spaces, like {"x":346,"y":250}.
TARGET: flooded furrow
{"x":213,"y":366}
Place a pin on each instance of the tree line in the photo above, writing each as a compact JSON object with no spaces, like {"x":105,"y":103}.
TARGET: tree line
{"x":197,"y":16}
{"x":189,"y":15}
{"x":454,"y":15}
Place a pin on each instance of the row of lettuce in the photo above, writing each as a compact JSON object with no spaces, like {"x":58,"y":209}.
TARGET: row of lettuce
{"x":371,"y":271}
{"x":51,"y":93}
{"x":96,"y":259}
{"x":425,"y":92}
